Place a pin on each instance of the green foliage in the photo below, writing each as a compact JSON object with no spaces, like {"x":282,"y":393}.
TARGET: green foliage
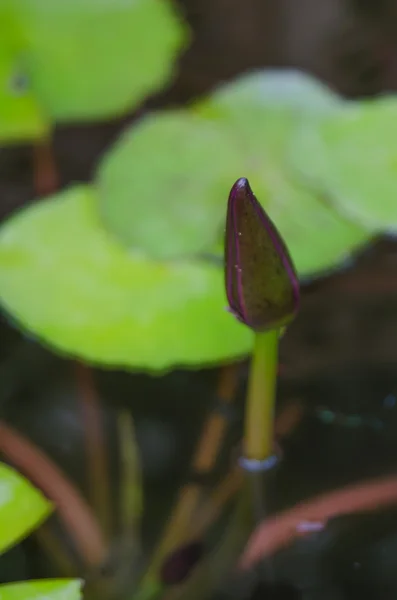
{"x":65,"y":279}
{"x":21,"y":117}
{"x":351,"y":154}
{"x":163,"y":187}
{"x":91,"y":59}
{"x":49,"y":589}
{"x":317,"y":235}
{"x":22,"y":507}
{"x":256,"y":94}
{"x":116,"y":274}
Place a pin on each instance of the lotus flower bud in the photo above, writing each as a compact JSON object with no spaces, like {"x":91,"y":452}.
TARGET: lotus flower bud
{"x":262,"y":286}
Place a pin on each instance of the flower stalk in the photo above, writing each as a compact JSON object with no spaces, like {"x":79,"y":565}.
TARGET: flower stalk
{"x":262,"y":288}
{"x":259,"y":418}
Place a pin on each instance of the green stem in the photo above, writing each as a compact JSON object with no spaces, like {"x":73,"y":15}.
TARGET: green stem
{"x":259,"y":416}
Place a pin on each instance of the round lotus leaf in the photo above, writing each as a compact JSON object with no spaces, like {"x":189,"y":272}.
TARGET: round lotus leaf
{"x":163,"y":187}
{"x":72,"y":285}
{"x":257,"y":93}
{"x":317,"y":236}
{"x":352,"y":155}
{"x":91,"y":59}
{"x":262,"y":110}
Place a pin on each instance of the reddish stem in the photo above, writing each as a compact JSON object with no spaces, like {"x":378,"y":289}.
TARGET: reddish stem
{"x":95,"y":441}
{"x":72,"y":508}
{"x":272,"y":534}
{"x":46,"y":179}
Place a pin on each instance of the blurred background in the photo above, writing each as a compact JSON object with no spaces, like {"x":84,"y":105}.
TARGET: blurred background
{"x":338,"y":360}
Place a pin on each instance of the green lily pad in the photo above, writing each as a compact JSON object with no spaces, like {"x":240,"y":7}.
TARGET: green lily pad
{"x":21,"y":117}
{"x":22,"y":507}
{"x":91,"y":59}
{"x":163,"y":187}
{"x":352,"y":155}
{"x":46,"y":589}
{"x":317,"y":235}
{"x":70,"y":283}
{"x":257,"y":93}
{"x":171,"y":203}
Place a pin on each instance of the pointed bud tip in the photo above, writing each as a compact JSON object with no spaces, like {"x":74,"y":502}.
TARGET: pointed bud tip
{"x":242,"y":182}
{"x":241,"y":186}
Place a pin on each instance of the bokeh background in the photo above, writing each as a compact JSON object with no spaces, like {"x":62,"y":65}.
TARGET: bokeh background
{"x":339,"y":358}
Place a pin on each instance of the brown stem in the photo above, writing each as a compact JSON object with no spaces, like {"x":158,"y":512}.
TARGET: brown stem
{"x":46,"y":179}
{"x":180,"y":523}
{"x":288,"y":419}
{"x":216,"y":503}
{"x":72,"y":508}
{"x":285,"y":422}
{"x":97,"y":460}
{"x":216,"y":424}
{"x":272,"y":534}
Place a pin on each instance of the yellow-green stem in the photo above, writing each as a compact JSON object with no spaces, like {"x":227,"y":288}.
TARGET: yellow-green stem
{"x":259,"y":416}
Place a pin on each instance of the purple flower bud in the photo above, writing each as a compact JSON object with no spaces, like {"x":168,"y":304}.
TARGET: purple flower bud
{"x":262,"y":286}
